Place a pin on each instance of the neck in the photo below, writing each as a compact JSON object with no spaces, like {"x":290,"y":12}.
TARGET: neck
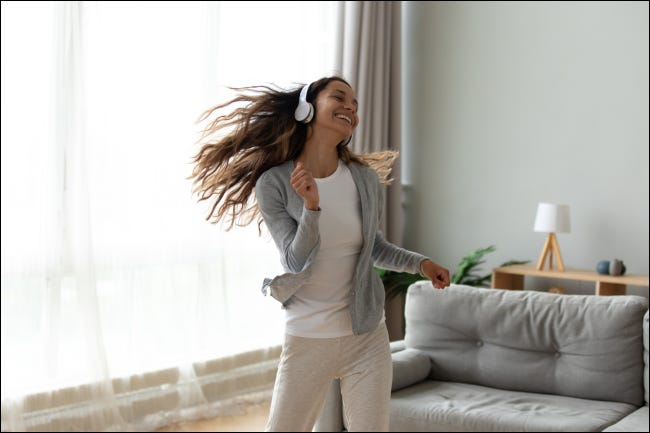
{"x":320,"y":158}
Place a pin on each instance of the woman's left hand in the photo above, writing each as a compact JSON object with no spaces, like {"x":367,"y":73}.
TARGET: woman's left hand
{"x":438,"y":275}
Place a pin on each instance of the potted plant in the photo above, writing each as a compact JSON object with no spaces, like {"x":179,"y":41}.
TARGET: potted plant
{"x":396,"y":283}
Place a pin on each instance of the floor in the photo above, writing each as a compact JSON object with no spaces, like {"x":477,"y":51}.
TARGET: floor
{"x":253,"y":421}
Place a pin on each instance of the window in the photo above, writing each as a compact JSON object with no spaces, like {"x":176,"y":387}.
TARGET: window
{"x":108,"y":265}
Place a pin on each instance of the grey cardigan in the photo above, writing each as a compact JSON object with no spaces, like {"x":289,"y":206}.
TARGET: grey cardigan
{"x":294,"y":229}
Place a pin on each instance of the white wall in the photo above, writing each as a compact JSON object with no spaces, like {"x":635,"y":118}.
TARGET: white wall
{"x":509,"y":104}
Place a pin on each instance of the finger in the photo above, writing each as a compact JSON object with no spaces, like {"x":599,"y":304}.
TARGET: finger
{"x":440,"y":280}
{"x":296,"y":174}
{"x":299,"y":183}
{"x":307,"y":181}
{"x":302,"y":186}
{"x":302,"y":174}
{"x":299,"y":175}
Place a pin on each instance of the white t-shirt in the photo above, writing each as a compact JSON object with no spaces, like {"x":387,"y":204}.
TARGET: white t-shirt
{"x":320,"y":309}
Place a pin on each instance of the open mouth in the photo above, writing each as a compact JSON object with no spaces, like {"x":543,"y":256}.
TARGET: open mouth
{"x":344,"y":117}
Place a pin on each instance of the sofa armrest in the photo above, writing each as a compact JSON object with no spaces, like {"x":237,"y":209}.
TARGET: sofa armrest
{"x":410,"y":366}
{"x":636,"y":421}
{"x":645,"y":356}
{"x":396,"y":346}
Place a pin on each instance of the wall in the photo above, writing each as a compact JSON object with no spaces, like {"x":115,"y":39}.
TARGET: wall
{"x":510,"y":104}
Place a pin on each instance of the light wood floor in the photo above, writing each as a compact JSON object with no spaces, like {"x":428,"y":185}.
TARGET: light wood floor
{"x":253,"y":421}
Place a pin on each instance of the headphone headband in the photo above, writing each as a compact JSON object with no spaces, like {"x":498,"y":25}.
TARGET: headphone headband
{"x":303,"y":93}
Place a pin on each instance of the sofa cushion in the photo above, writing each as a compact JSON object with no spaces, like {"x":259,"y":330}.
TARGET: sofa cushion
{"x":573,"y":345}
{"x":409,"y":366}
{"x":450,"y":406}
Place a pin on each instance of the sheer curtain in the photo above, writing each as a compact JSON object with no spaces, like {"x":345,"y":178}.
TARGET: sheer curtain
{"x":122,"y":308}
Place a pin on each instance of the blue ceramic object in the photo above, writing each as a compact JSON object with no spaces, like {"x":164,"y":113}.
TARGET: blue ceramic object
{"x":603,"y":267}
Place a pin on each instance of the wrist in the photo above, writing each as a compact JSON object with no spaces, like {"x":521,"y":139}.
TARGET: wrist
{"x":312,"y":206}
{"x":422,"y":266}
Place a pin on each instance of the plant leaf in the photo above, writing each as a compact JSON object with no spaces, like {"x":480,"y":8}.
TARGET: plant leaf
{"x":464,"y":270}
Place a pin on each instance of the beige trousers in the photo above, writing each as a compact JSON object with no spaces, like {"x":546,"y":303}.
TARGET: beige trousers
{"x":309,"y":365}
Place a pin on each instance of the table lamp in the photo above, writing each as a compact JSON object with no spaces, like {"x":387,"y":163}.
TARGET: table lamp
{"x":552,"y":218}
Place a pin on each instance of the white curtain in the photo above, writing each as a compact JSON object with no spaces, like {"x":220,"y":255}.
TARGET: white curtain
{"x":122,"y":308}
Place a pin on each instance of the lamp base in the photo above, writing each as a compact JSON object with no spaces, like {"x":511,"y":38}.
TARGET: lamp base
{"x":551,"y":248}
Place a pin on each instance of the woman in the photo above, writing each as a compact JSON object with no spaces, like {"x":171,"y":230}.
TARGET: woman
{"x":322,"y":205}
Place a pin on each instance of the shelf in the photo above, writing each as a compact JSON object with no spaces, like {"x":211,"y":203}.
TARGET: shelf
{"x":512,"y":278}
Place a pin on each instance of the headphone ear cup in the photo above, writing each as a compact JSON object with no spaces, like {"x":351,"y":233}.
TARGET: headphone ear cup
{"x":310,"y":113}
{"x":304,"y":111}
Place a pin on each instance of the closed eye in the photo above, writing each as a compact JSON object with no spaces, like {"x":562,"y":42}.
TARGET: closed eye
{"x":340,"y":95}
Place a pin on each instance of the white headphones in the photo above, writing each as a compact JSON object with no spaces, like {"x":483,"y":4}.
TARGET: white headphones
{"x":304,"y":111}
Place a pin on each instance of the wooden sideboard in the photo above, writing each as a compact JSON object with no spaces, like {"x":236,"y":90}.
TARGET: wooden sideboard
{"x":512,"y":278}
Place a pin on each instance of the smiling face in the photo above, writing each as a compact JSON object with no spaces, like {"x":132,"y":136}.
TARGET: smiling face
{"x":336,"y":110}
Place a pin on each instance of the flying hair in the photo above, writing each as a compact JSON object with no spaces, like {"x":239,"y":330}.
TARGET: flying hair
{"x":247,"y":135}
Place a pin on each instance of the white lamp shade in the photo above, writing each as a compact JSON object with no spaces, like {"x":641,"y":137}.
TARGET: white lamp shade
{"x":552,"y":218}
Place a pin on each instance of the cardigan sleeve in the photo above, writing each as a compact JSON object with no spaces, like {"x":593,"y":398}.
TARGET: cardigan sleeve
{"x":297,"y":240}
{"x":389,"y":256}
{"x":385,"y":254}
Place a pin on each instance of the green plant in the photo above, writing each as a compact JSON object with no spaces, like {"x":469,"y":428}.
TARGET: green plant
{"x":396,"y":283}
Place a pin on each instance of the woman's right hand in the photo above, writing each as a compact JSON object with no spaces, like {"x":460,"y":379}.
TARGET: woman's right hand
{"x":305,"y":186}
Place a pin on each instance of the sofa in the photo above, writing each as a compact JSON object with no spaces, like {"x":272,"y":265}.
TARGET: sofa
{"x":476,"y":359}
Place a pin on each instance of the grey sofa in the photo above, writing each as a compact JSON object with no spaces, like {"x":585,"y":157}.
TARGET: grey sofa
{"x":478,"y":359}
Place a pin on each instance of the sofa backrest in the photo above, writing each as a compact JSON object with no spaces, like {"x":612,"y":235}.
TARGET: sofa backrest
{"x":574,"y":345}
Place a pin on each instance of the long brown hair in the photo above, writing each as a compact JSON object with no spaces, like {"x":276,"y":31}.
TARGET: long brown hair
{"x":265,"y":134}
